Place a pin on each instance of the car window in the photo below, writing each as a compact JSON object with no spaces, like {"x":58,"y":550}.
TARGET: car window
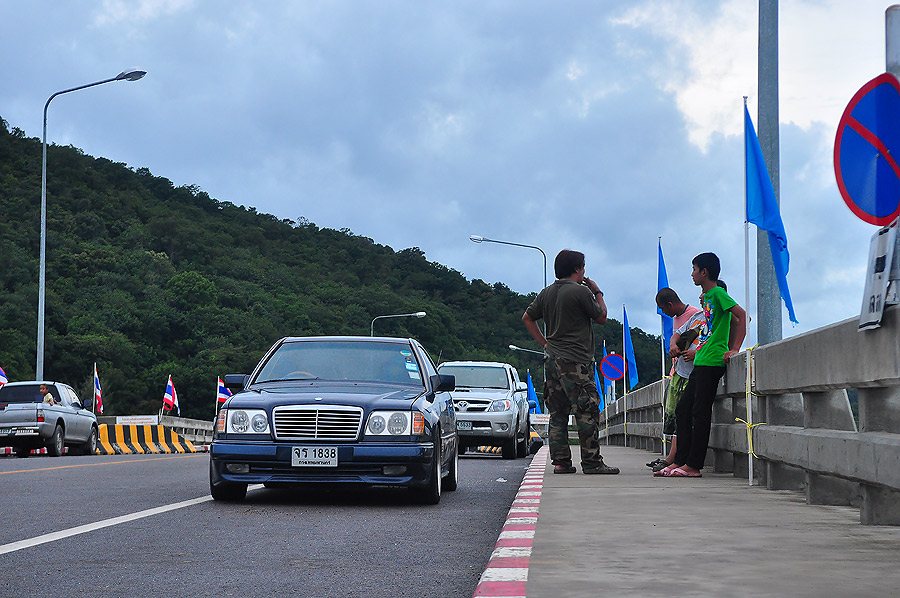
{"x":392,"y":363}
{"x":28,"y":393}
{"x":477,"y":376}
{"x":73,"y":398}
{"x":427,"y":364}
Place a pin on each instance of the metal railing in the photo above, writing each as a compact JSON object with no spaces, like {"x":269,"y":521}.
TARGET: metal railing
{"x":808,"y":439}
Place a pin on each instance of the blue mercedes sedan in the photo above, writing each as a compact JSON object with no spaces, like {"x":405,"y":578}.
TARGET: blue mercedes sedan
{"x":336,"y":410}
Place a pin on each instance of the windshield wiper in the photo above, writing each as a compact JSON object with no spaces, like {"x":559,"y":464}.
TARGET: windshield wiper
{"x":285,"y":380}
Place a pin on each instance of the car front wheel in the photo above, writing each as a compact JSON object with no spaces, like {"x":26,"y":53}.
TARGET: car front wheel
{"x":90,"y":447}
{"x":452,"y":481}
{"x":431,"y":494}
{"x":226,"y":491}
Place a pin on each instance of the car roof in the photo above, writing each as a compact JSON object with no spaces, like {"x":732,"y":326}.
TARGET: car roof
{"x":31,"y":382}
{"x":290,"y":339}
{"x":476,"y":363}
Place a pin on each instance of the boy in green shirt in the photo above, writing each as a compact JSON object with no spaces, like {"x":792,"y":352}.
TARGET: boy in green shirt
{"x":721,"y":337}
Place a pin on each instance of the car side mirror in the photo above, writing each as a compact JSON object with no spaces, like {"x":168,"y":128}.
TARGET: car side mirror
{"x":532,"y":404}
{"x":236,"y":382}
{"x":87,"y":404}
{"x":521,"y":386}
{"x":443,"y":382}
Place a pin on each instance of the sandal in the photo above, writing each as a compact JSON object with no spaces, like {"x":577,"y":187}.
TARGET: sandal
{"x":661,"y":465}
{"x":681,"y":473}
{"x":656,"y":462}
{"x":664,"y":471}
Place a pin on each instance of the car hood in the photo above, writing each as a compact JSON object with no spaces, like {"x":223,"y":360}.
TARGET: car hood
{"x":380,"y":396}
{"x":492,"y":394}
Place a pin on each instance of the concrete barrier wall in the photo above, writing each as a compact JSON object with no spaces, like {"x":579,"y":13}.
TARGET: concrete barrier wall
{"x":809,"y":440}
{"x":121,"y":439}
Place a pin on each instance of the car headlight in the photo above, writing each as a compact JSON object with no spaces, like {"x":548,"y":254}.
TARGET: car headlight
{"x":501,"y":405}
{"x":245,"y":421}
{"x":395,"y":423}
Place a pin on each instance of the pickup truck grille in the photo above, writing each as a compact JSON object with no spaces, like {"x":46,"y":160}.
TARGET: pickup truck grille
{"x":470,"y":405}
{"x":317,"y":422}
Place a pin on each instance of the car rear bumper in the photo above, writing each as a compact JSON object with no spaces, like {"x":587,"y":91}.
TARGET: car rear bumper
{"x":270,"y":462}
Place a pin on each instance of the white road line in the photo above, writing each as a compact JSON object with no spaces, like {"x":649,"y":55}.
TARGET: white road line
{"x":89,"y":527}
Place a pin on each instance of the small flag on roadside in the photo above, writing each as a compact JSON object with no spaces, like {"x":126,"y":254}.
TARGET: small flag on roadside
{"x":98,"y":393}
{"x":532,"y":395}
{"x":222,"y":393}
{"x":3,"y":378}
{"x":631,"y":364}
{"x":170,"y":399}
{"x":599,"y":388}
{"x":662,"y":282}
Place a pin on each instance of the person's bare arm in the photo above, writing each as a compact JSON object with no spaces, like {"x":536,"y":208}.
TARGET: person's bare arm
{"x":737,"y":331}
{"x":598,"y":295}
{"x":532,"y":327}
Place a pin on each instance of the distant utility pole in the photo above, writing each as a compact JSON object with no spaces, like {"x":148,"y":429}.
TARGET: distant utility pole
{"x":768,"y":298}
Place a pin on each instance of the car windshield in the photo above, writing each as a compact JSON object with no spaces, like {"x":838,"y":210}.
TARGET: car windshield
{"x":27,"y":393}
{"x":477,"y":376}
{"x":372,"y":361}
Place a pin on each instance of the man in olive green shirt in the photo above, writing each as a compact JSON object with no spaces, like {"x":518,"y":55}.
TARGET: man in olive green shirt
{"x":567,"y":307}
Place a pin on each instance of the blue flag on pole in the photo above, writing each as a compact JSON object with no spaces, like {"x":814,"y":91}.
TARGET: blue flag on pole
{"x":662,"y":281}
{"x":762,"y":210}
{"x":629,"y":353}
{"x":532,"y":395}
{"x":599,"y":387}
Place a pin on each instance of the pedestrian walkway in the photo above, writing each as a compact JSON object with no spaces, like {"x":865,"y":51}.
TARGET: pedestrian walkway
{"x":635,"y":535}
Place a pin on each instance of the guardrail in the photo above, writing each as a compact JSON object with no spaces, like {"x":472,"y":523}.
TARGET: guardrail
{"x":809,"y":440}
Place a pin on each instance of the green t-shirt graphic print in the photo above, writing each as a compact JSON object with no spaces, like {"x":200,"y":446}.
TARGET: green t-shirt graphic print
{"x":715,"y":304}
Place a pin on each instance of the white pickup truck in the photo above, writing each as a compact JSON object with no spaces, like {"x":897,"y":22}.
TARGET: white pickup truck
{"x":29,"y":421}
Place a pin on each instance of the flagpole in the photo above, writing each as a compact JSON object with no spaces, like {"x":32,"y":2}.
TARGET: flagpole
{"x":662,"y":356}
{"x":624,"y":385}
{"x":748,"y":398}
{"x":94,"y":384}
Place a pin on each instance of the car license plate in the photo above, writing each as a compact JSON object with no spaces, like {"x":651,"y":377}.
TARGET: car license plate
{"x":314,"y":456}
{"x":5,"y":430}
{"x":463,"y":425}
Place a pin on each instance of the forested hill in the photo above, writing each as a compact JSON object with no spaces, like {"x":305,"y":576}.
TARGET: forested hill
{"x":147,"y":279}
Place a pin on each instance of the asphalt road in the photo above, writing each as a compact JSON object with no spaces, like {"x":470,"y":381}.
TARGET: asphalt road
{"x":328,"y":543}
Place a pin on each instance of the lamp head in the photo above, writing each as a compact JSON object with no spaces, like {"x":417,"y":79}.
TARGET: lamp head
{"x":514,"y":348}
{"x":419,"y":314}
{"x":476,"y":238}
{"x":130,"y":75}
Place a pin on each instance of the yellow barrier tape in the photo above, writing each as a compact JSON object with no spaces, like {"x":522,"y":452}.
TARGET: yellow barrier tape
{"x":750,"y":435}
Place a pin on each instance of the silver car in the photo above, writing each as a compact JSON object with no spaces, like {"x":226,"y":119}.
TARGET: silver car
{"x":491,"y":406}
{"x":29,"y":421}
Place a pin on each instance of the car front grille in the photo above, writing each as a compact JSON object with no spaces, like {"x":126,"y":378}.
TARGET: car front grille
{"x":317,"y":422}
{"x":472,"y":405}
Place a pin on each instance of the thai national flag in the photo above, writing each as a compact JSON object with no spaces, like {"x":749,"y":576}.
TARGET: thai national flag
{"x":3,"y":378}
{"x":98,"y":392}
{"x":222,"y":393}
{"x":170,"y":399}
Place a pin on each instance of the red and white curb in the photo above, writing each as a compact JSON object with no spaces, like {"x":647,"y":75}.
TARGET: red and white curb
{"x":507,"y":570}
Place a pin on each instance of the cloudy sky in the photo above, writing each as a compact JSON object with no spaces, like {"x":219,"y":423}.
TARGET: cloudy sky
{"x":597,"y":126}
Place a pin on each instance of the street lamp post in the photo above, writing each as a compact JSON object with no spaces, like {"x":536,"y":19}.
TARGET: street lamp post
{"x":480,"y":239}
{"x":129,"y":75}
{"x":418,"y":314}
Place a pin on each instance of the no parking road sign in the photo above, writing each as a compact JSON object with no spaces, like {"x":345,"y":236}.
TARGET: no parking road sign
{"x":613,"y":366}
{"x":866,"y":151}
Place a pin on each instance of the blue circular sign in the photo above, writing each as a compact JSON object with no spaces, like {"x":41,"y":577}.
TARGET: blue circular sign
{"x":865,"y":146}
{"x":613,"y":366}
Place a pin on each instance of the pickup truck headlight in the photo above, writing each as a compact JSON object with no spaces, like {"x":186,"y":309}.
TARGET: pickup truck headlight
{"x":395,"y":423}
{"x":243,"y":421}
{"x":501,"y":405}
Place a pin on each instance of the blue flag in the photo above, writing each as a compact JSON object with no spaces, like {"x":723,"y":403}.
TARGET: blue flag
{"x":662,"y":281}
{"x":762,"y":210}
{"x":532,"y":396}
{"x":599,"y":387}
{"x":629,"y":353}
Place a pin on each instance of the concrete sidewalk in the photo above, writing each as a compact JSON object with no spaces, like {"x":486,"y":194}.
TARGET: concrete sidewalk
{"x":635,"y":535}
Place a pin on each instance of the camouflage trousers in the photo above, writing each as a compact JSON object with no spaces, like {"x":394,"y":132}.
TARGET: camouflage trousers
{"x":673,"y":395}
{"x":569,"y":388}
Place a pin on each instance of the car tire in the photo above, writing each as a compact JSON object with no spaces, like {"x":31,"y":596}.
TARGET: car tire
{"x":522,"y":445}
{"x":56,"y":448}
{"x":226,"y":491}
{"x":431,"y":494}
{"x":23,"y":452}
{"x":451,"y":483}
{"x":90,"y":446}
{"x":508,"y":450}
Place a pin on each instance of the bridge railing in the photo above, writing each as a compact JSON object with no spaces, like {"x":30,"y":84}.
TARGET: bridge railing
{"x":809,"y":440}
